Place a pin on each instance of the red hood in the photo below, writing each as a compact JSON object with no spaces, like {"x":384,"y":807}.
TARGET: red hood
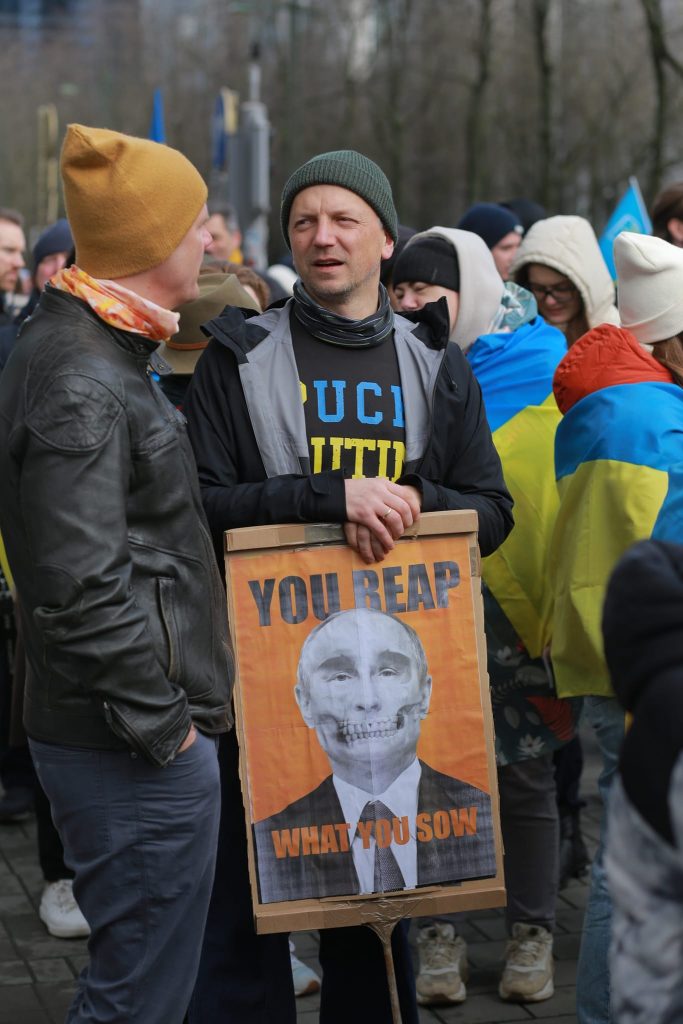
{"x":604,"y":356}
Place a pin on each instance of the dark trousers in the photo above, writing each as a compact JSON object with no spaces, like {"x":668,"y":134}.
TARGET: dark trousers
{"x":16,"y":767}
{"x":141,"y":841}
{"x":531,"y":838}
{"x":568,"y":768}
{"x":354,"y":977}
{"x":247,"y":978}
{"x":529,"y":823}
{"x":50,"y":848}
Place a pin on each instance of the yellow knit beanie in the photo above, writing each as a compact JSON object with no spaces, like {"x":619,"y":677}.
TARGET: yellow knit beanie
{"x":130,"y":202}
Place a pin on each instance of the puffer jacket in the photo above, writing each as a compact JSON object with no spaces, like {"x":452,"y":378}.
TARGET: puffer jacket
{"x":121,"y":602}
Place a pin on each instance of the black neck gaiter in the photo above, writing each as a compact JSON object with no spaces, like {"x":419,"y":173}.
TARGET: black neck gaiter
{"x":340,"y":330}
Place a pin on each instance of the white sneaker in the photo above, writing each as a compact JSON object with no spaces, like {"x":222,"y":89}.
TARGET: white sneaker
{"x":443,"y":965}
{"x":60,"y":913}
{"x":306,"y":981}
{"x":528,"y":973}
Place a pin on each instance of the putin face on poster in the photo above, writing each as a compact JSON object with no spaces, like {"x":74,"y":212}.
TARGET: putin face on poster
{"x":384,"y":820}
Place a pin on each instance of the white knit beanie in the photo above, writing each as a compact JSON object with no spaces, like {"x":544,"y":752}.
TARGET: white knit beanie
{"x":649,"y":286}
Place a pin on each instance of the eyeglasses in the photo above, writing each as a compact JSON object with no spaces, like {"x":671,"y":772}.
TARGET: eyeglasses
{"x":561,"y":293}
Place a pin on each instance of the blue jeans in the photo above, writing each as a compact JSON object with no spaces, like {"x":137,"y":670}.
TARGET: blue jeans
{"x":142,"y":843}
{"x":607,"y":718}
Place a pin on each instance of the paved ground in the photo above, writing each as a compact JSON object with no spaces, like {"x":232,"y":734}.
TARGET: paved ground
{"x":37,"y":972}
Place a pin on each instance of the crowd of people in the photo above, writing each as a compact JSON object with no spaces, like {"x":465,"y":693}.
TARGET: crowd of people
{"x":153,"y":394}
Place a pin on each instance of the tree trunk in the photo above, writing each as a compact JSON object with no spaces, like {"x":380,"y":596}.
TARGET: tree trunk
{"x":475,"y":114}
{"x":545,"y":94}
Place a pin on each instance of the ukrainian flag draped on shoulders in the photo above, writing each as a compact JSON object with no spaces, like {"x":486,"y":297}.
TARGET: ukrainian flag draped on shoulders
{"x":669,"y":525}
{"x":621,"y":435}
{"x":515,"y":371}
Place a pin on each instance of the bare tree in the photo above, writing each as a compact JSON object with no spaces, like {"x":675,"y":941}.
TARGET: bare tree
{"x":476,"y":111}
{"x":456,"y":99}
{"x":541,"y":10}
{"x":661,"y":58}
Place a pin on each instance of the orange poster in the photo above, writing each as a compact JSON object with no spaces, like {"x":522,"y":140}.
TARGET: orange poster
{"x":362,"y":722}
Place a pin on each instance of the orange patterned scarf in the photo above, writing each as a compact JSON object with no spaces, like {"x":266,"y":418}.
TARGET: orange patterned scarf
{"x":118,"y":306}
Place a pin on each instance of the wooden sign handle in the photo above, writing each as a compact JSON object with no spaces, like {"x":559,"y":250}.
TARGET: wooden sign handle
{"x":384,"y":930}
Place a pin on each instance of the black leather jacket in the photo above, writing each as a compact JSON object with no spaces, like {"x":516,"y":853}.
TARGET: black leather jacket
{"x":122,"y":606}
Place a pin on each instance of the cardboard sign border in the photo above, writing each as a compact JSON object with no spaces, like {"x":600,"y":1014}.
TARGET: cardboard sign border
{"x":344,"y":911}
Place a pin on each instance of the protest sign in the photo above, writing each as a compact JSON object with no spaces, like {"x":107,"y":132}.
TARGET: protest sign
{"x":364,"y":723}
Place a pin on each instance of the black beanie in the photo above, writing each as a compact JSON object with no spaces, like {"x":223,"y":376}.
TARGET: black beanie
{"x":526,"y":211}
{"x":56,"y":238}
{"x":431,"y":259}
{"x":490,"y":221}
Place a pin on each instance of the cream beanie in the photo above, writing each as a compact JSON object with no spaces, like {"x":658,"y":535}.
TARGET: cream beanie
{"x":130,"y":202}
{"x":649,"y":286}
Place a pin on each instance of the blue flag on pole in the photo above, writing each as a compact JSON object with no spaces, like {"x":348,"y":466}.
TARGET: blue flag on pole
{"x":218,"y":140}
{"x":629,"y":215}
{"x":157,"y":132}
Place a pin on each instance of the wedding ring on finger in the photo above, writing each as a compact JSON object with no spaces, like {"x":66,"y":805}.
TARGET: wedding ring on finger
{"x":387,"y":513}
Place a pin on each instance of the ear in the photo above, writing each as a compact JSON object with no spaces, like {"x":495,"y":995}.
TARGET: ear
{"x":426,"y":697}
{"x":675,"y":228}
{"x":304,"y":702}
{"x":388,"y":247}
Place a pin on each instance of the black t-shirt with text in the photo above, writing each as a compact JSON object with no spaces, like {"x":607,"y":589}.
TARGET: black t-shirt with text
{"x":353,"y":405}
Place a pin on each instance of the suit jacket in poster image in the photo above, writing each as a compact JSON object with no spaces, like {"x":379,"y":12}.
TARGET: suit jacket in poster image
{"x":466,"y":850}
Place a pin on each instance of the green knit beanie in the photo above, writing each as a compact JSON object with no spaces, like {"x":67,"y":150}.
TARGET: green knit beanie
{"x":348,"y":169}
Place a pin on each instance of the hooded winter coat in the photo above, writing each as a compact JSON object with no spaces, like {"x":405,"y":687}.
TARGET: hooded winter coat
{"x":569,"y":246}
{"x":481,"y":287}
{"x":514,"y":354}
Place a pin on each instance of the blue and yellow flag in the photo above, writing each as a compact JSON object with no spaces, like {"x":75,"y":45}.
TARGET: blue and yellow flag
{"x":669,"y":525}
{"x":614,"y":451}
{"x":630,"y":214}
{"x":515,"y":371}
